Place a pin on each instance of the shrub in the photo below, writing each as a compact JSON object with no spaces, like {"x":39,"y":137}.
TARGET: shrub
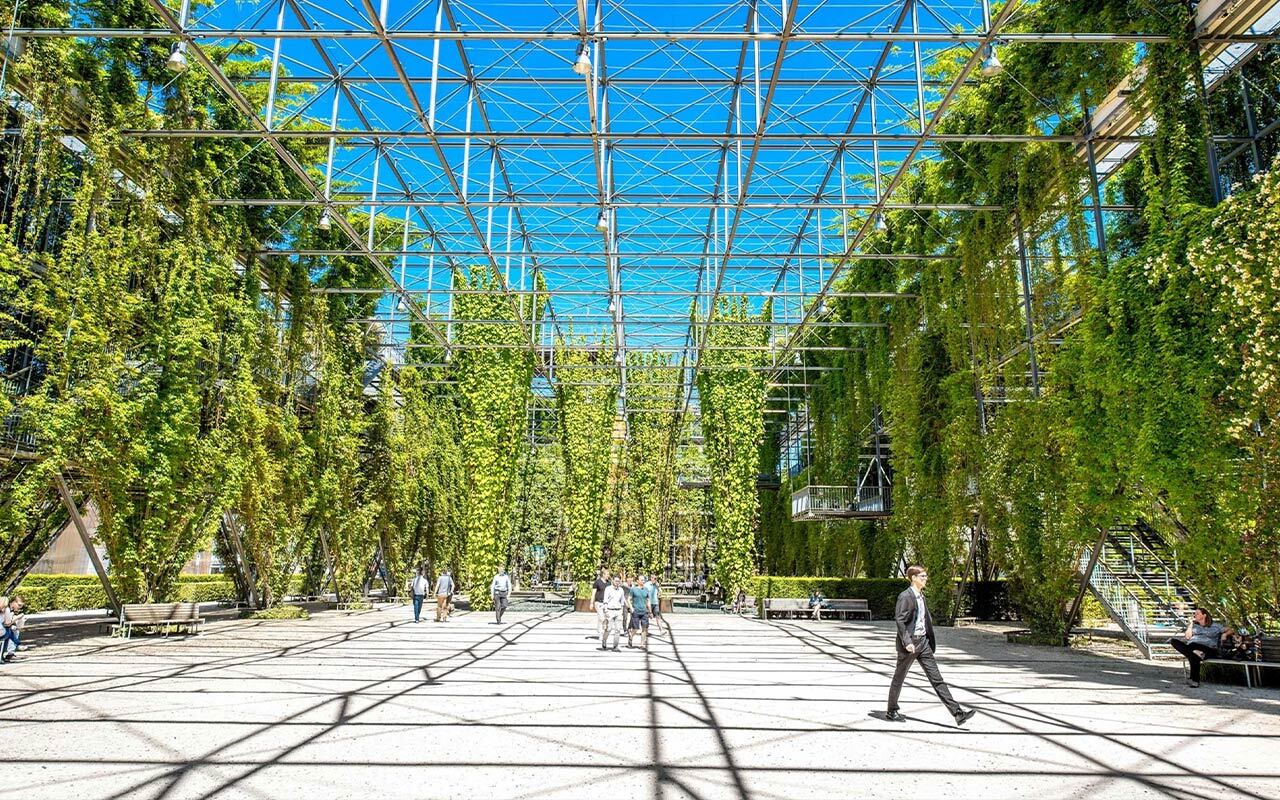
{"x":880,"y":593}
{"x":281,"y":612}
{"x":57,"y":592}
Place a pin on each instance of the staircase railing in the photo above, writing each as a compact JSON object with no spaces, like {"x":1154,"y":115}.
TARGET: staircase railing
{"x":1120,"y":603}
{"x":1140,"y":558}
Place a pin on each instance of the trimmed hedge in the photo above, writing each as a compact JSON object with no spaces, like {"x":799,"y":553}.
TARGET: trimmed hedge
{"x":72,"y":592}
{"x":880,"y":593}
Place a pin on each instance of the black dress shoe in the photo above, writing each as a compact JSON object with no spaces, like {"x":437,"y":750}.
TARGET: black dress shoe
{"x":965,"y":716}
{"x":894,"y":716}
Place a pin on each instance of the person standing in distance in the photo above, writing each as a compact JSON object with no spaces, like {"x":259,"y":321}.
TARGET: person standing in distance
{"x":655,"y":610}
{"x":444,"y":590}
{"x":915,"y":642}
{"x":597,"y":603}
{"x":500,"y":590}
{"x":421,"y":585}
{"x":615,"y":599}
{"x":638,"y":595}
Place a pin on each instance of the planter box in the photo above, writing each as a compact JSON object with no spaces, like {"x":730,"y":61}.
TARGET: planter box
{"x":665,"y":605}
{"x":582,"y":604}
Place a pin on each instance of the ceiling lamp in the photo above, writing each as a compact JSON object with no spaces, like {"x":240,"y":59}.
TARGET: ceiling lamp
{"x":613,"y":305}
{"x":582,"y":65}
{"x":325,"y":223}
{"x":602,"y":222}
{"x":991,"y":65}
{"x":881,"y":225}
{"x":177,"y":58}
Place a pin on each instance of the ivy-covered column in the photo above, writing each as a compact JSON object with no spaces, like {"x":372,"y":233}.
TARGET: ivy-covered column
{"x":493,"y":369}
{"x":586,"y":398}
{"x":732,"y":393}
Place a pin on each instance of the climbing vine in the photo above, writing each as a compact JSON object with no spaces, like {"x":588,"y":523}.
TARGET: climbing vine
{"x":731,"y":389}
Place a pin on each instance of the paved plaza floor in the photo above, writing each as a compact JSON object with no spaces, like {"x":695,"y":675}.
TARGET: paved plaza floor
{"x":371,"y":705}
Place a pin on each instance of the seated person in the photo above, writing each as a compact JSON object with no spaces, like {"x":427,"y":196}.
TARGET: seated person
{"x":1198,"y":642}
{"x":740,"y":601}
{"x":12,"y":618}
{"x":817,"y":602}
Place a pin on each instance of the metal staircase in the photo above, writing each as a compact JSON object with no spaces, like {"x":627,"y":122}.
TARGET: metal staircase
{"x":1135,"y":579}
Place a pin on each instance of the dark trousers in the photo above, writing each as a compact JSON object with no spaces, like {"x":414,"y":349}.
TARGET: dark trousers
{"x":1194,"y":653}
{"x":499,"y":604}
{"x":923,"y":654}
{"x":417,"y":607}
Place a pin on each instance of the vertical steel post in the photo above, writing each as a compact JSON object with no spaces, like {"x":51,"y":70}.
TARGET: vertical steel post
{"x":488,"y":224}
{"x":844,"y":201}
{"x":404,"y":257}
{"x":373,"y":197}
{"x":466,"y":144}
{"x":1095,"y":190}
{"x":915,"y":29}
{"x":1025,"y":272}
{"x":333,"y":143}
{"x":274,"y":80}
{"x":435,"y":69}
{"x":1210,"y":147}
{"x":1251,"y":121}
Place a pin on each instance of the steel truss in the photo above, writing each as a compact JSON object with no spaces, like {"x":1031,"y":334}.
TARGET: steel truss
{"x":643,"y":158}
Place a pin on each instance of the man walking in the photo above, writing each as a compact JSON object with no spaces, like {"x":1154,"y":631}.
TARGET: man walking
{"x":655,"y":607}
{"x":500,"y":590}
{"x":597,"y":603}
{"x":638,"y":597}
{"x":915,"y":642}
{"x":419,"y":588}
{"x":615,"y":597}
{"x":444,"y":590}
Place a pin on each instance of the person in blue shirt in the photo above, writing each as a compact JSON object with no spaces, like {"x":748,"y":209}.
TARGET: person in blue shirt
{"x":655,"y":610}
{"x":638,"y":598}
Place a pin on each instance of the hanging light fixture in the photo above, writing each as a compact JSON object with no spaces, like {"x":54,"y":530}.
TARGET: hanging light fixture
{"x":325,"y":223}
{"x":991,"y":65}
{"x":881,"y":225}
{"x":177,"y":58}
{"x":613,"y":304}
{"x":582,"y":65}
{"x":602,"y":221}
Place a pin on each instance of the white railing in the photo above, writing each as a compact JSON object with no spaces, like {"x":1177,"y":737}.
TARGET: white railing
{"x":1119,"y":602}
{"x":837,"y":501}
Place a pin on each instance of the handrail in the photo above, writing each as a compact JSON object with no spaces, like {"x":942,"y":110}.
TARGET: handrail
{"x":1157,"y":599}
{"x":1114,"y":596}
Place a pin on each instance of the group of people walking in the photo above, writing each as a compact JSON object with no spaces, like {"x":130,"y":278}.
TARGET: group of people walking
{"x":622,"y":603}
{"x":421,"y":587}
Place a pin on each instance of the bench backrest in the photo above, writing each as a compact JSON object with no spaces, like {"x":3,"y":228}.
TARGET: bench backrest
{"x":785,"y":603}
{"x":152,"y":613}
{"x":848,"y":605}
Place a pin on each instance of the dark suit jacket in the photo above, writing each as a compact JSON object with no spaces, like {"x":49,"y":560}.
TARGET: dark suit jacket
{"x":905,"y":615}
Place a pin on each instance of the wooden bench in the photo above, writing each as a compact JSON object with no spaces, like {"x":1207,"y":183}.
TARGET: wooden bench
{"x":786,"y":607}
{"x":158,"y":615}
{"x":847,"y":609}
{"x":1269,"y":652}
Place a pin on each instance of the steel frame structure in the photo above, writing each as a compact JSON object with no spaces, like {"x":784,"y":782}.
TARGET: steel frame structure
{"x":643,"y":159}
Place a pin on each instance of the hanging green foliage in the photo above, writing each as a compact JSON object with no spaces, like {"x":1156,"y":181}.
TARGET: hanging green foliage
{"x":731,"y":389}
{"x":493,"y":369}
{"x":586,"y":402}
{"x":653,"y":426}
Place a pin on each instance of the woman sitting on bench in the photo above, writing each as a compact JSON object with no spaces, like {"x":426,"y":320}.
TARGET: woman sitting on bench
{"x":1199,"y":642}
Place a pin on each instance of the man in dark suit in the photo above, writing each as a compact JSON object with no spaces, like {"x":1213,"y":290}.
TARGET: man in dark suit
{"x":916,"y":642}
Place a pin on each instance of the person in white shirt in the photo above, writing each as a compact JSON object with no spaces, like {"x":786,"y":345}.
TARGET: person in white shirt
{"x":500,"y":590}
{"x":419,"y":588}
{"x":915,"y":642}
{"x":615,"y":599}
